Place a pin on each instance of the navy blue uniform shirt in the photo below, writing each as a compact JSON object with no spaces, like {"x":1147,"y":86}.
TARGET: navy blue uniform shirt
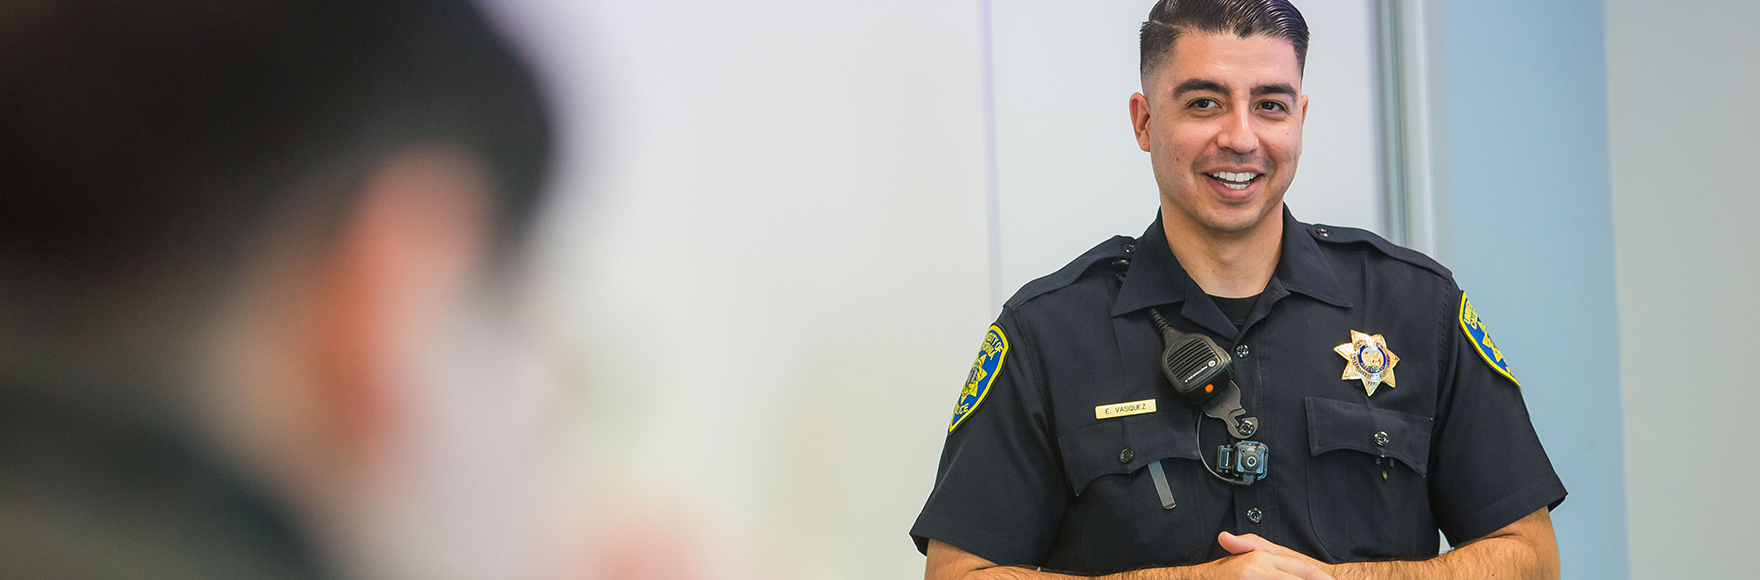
{"x":1030,"y":476}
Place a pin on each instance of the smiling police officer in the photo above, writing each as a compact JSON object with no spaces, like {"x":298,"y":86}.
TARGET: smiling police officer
{"x":1236,"y":394}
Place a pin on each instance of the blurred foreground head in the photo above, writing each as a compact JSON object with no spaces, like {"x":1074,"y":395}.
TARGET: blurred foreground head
{"x":234,"y":239}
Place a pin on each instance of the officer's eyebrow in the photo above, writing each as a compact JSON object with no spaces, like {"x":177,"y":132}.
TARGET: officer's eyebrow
{"x":1274,"y":89}
{"x":1192,"y":85}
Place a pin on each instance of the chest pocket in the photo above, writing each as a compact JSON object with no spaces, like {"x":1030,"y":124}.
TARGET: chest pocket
{"x":1368,"y":496}
{"x":1125,"y":445}
{"x":1116,"y":522}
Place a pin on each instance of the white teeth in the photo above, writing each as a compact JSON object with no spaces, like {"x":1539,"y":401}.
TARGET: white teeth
{"x":1240,"y":178}
{"x":1231,"y":185}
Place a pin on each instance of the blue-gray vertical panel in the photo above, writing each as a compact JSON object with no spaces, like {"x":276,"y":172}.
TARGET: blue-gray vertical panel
{"x":1526,"y":107}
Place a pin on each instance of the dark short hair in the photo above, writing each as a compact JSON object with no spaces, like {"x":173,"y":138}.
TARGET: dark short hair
{"x":1243,"y":18}
{"x":139,"y":130}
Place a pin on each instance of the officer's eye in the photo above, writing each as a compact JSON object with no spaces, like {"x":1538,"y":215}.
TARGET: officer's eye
{"x":1204,"y":103}
{"x":1274,"y":106}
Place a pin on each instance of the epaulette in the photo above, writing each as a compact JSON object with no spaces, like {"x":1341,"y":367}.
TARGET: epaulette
{"x":1343,"y":235}
{"x":1105,"y":253}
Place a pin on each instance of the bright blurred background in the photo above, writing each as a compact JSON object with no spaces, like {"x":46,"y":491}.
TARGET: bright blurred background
{"x":782,"y":227}
{"x":774,"y":234}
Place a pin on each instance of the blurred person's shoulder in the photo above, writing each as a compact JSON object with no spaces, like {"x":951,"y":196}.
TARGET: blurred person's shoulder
{"x":79,"y":481}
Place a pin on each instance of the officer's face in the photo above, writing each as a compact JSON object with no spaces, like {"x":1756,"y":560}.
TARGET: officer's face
{"x":1222,"y":122}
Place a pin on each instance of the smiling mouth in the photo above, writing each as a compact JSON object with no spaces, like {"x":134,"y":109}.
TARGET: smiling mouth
{"x":1233,"y":180}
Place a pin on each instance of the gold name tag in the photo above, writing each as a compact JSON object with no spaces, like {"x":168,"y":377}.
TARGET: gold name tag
{"x":1125,"y":409}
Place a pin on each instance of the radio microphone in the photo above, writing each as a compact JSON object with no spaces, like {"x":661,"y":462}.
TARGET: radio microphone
{"x":1202,"y":375}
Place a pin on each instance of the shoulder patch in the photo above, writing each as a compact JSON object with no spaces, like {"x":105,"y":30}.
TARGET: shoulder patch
{"x":1475,"y":331}
{"x":982,"y":376}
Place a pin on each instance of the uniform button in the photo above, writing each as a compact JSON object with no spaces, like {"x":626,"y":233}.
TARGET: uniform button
{"x":1323,"y":233}
{"x":1254,"y":515}
{"x":1381,"y":438}
{"x":1126,"y":456}
{"x":1128,"y":248}
{"x":1241,"y":351}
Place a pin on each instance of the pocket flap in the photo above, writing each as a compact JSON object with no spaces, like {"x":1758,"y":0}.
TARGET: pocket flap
{"x":1335,"y":425}
{"x":1098,"y":449}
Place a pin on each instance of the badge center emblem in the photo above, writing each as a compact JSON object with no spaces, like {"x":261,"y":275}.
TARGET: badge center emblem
{"x":1370,"y":359}
{"x":1367,"y":359}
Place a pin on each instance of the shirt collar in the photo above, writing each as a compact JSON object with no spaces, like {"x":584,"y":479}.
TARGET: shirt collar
{"x":1155,"y":276}
{"x":1304,"y":269}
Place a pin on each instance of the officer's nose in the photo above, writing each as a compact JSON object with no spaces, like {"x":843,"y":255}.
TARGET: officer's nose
{"x":1237,"y":133}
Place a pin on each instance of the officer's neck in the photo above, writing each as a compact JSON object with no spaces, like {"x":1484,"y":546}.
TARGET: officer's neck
{"x":1226,"y":264}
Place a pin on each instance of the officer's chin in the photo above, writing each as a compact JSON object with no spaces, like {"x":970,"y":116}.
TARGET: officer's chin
{"x":1237,"y":218}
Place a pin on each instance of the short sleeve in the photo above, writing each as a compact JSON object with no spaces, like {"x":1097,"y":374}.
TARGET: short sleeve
{"x":1488,"y":468}
{"x":998,"y":493}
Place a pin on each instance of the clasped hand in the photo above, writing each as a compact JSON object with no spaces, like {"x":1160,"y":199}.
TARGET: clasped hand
{"x":1256,"y":558}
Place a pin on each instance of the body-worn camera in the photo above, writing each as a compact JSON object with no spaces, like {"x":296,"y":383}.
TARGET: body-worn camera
{"x":1244,"y":462}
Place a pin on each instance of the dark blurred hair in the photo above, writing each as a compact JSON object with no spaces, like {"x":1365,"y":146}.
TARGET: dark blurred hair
{"x":133,"y":131}
{"x":1243,"y":18}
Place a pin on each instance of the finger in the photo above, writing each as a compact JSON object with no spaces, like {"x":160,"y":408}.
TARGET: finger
{"x":1263,"y":545}
{"x":1281,"y":575}
{"x":1235,"y":544}
{"x":1248,"y":543}
{"x":1298,"y":566}
{"x":1263,"y":566}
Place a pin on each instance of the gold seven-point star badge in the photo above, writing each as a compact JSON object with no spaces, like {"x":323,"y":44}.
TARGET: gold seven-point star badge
{"x":1367,"y":358}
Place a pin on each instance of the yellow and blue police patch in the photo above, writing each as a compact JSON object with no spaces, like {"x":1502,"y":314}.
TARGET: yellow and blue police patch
{"x":1475,"y":330}
{"x":982,"y":376}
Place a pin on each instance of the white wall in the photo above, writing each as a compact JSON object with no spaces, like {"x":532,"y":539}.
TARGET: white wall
{"x":1682,"y":127}
{"x":765,"y":274}
{"x":1069,"y":173}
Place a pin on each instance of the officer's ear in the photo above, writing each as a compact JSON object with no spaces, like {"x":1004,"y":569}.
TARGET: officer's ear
{"x":1303,"y":122}
{"x":1140,"y":119}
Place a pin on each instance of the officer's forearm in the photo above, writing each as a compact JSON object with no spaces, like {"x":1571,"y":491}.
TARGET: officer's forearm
{"x":947,"y":562}
{"x":1523,"y":550}
{"x":1016,"y":573}
{"x":1487,"y":558}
